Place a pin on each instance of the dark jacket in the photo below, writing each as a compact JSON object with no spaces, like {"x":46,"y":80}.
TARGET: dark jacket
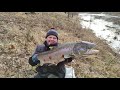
{"x":57,"y":68}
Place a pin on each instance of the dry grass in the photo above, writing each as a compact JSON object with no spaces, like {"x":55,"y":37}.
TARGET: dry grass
{"x":20,"y":33}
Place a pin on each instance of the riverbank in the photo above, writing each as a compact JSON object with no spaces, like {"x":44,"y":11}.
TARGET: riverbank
{"x":20,"y":33}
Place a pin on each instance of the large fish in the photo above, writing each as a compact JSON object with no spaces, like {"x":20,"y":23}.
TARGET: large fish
{"x":57,"y":54}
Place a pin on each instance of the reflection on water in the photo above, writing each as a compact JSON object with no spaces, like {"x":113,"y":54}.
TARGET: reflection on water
{"x":103,"y":27}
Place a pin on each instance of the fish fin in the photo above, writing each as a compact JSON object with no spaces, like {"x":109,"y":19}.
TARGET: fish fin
{"x":66,"y":56}
{"x":89,"y":52}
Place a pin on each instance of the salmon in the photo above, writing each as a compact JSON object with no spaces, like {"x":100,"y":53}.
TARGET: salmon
{"x":66,"y":50}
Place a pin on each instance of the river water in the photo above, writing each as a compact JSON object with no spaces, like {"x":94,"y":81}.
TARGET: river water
{"x":105,"y":26}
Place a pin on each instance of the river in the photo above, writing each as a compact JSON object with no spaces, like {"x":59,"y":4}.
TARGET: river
{"x":105,"y":26}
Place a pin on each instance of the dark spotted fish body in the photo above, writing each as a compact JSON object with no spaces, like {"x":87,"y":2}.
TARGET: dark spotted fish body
{"x":65,"y":50}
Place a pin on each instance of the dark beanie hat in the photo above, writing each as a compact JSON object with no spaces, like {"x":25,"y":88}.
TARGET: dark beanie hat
{"x":52,"y":31}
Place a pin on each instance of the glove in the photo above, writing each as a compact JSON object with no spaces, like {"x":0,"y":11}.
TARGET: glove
{"x":68,"y":59}
{"x":34,"y":60}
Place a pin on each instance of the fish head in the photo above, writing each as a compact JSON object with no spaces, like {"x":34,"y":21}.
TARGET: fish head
{"x":81,"y":47}
{"x":87,"y":44}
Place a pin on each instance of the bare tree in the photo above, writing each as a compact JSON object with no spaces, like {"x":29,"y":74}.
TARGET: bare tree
{"x":71,"y":14}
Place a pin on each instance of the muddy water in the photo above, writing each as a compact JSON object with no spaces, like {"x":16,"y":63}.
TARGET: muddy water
{"x":105,"y":26}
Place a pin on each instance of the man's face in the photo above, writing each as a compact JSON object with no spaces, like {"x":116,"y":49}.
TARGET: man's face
{"x":51,"y":40}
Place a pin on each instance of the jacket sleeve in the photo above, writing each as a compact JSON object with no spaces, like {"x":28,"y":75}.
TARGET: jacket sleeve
{"x":36,"y":50}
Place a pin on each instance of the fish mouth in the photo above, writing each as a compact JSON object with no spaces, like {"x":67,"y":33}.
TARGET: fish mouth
{"x":82,"y":47}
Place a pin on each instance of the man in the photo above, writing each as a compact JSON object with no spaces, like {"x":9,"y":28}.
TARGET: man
{"x":49,"y":70}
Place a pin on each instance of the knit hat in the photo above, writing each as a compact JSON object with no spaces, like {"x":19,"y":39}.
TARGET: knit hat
{"x":52,"y":31}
